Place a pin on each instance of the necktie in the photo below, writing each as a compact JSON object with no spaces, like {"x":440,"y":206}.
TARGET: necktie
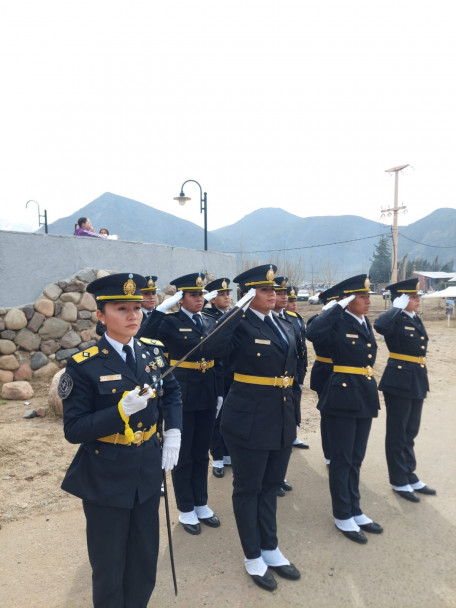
{"x":198,"y":322}
{"x":275,"y":329}
{"x":130,"y":358}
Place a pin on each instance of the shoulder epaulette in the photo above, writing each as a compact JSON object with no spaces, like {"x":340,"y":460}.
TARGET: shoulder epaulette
{"x":88,"y":353}
{"x":152,"y":342}
{"x":292,"y":314}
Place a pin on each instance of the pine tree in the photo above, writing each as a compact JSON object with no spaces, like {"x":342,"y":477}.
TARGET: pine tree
{"x":380,"y":270}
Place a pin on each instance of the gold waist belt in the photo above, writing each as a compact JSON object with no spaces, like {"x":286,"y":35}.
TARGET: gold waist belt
{"x":362,"y":371}
{"x":282,"y":382}
{"x":139,"y":437}
{"x":202,"y":365}
{"x":323,"y":359}
{"x":420,"y":360}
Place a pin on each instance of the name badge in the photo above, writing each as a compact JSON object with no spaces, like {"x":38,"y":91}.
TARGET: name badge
{"x":410,"y":328}
{"x":110,"y":378}
{"x":257,"y":341}
{"x":184,"y":329}
{"x":351,"y":336}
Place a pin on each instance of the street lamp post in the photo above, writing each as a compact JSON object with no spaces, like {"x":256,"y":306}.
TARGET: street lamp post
{"x":395,"y":210}
{"x":182,"y":199}
{"x":40,"y":215}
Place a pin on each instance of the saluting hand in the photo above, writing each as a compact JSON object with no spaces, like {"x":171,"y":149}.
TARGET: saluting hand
{"x":401,"y":302}
{"x":170,"y":302}
{"x":346,"y":301}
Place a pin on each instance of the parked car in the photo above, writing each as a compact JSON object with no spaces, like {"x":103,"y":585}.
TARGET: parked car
{"x":303,"y":295}
{"x":314,"y":299}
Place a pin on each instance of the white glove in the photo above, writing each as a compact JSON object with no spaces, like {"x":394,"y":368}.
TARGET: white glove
{"x":329,"y":305}
{"x":170,"y":302}
{"x":246,"y":299}
{"x":346,"y":301}
{"x":171,"y":447}
{"x":211,"y":295}
{"x":219,"y":406}
{"x":133,"y":402}
{"x":402,"y":301}
{"x":300,"y":387}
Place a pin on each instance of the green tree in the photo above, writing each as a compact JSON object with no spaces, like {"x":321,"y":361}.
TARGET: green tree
{"x":380,"y":270}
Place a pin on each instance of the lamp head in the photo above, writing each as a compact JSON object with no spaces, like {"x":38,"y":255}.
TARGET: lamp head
{"x":182,"y":199}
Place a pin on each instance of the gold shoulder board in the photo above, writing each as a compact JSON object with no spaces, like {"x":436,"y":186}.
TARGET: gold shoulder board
{"x":151,"y":342}
{"x":85,"y":354}
{"x":292,"y":314}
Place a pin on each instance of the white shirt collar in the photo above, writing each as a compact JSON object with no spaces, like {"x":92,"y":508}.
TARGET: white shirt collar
{"x":360,"y":321}
{"x":190,"y":314}
{"x":410,"y":314}
{"x":118,"y":346}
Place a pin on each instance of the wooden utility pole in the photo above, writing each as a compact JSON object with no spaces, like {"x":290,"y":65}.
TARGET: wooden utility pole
{"x":395,"y":210}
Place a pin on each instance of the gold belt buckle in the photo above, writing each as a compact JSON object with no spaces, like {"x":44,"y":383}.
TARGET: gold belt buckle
{"x":286,"y":381}
{"x":422,"y":361}
{"x":138,"y":437}
{"x":369,"y":371}
{"x":203,"y":365}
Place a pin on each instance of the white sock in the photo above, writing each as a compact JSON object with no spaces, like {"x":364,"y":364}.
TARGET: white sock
{"x":188,"y":517}
{"x":274,"y":557}
{"x":406,"y":488}
{"x":347,"y":525}
{"x":204,"y":512}
{"x":255,"y":566}
{"x":217,"y":464}
{"x":327,"y":461}
{"x":362,"y":519}
{"x":227,"y":460}
{"x":418,"y":485}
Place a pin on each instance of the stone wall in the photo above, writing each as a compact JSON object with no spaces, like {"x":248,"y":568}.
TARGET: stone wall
{"x":37,"y":339}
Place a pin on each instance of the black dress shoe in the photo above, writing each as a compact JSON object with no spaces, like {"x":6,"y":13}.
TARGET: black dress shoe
{"x":290,"y":572}
{"x":411,"y":496}
{"x":301,"y":445}
{"x":280,"y":491}
{"x":357,"y":537}
{"x":218,"y":471}
{"x":372,"y":527}
{"x":426,"y":490}
{"x":286,"y":486}
{"x":192,"y":528}
{"x":267,"y":581}
{"x":212,"y":522}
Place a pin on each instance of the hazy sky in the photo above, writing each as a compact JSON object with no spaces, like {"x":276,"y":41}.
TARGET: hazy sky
{"x":292,"y":104}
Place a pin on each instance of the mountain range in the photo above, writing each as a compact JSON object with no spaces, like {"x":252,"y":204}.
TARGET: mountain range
{"x":325,"y":247}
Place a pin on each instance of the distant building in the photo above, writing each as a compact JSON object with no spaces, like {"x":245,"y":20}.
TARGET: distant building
{"x":430,"y":279}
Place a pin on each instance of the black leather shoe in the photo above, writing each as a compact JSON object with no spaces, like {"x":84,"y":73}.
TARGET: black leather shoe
{"x":357,"y":537}
{"x":280,"y":491}
{"x":192,"y":528}
{"x":372,"y":527}
{"x":218,"y":471}
{"x":212,"y":522}
{"x":286,"y":486}
{"x":290,"y":571}
{"x":411,"y":496}
{"x":426,"y":490}
{"x":301,"y":445}
{"x":267,"y":581}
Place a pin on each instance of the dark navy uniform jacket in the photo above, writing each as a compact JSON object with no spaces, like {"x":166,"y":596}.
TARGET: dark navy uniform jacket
{"x":407,"y":336}
{"x":180,"y":334}
{"x":300,"y":326}
{"x":105,"y":473}
{"x":320,"y":371}
{"x":346,"y":394}
{"x":256,"y":416}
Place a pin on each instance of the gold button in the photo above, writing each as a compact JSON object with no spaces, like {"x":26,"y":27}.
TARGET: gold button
{"x":344,"y":384}
{"x":353,"y":342}
{"x":423,"y":348}
{"x":258,"y":354}
{"x":286,"y":374}
{"x":422,"y":337}
{"x":369,"y":356}
{"x":423,"y":366}
{"x":369,"y":344}
{"x":411,"y":335}
{"x":399,"y":367}
{"x":284,"y":398}
{"x":140,"y":425}
{"x":369,"y":378}
{"x":97,"y":451}
{"x":185,"y":337}
{"x":114,"y":390}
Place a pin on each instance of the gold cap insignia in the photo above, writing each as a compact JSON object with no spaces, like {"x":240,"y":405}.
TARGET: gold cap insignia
{"x":129,"y":286}
{"x":367,"y":283}
{"x":284,"y":283}
{"x":199,"y":281}
{"x":150,"y":283}
{"x":270,"y":275}
{"x":292,"y":293}
{"x":224,"y":284}
{"x":417,"y":286}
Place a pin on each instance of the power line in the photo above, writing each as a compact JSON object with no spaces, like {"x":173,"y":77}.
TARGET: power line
{"x":426,"y":245}
{"x":374,"y":236}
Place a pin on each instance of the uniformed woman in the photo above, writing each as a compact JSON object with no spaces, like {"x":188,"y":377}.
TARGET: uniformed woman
{"x":117,"y":470}
{"x":404,"y":384}
{"x":349,"y":399}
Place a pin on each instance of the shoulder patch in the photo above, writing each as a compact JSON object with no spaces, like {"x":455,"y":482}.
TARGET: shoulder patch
{"x":65,"y":386}
{"x":292,"y":314}
{"x":86,"y":354}
{"x":151,"y":342}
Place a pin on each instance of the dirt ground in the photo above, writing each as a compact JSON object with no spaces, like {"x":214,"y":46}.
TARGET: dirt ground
{"x":43,"y":557}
